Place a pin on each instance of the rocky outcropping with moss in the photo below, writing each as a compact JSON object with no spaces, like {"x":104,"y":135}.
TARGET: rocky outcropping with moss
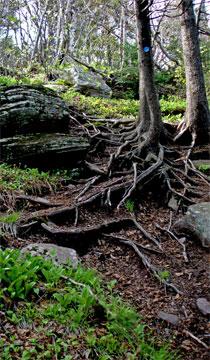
{"x":29,"y":109}
{"x":35,"y":131}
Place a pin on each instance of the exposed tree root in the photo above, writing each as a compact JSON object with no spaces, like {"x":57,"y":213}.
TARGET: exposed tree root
{"x":81,"y":232}
{"x":37,"y":200}
{"x":117,"y":171}
{"x":148,"y":264}
{"x":180,"y":241}
{"x":196,"y":339}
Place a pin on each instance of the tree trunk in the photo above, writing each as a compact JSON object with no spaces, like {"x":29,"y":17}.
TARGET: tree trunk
{"x":197,"y":116}
{"x":149,"y":114}
{"x":39,"y":31}
{"x":122,"y":35}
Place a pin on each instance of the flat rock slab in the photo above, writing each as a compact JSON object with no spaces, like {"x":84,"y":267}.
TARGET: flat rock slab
{"x":59,"y":254}
{"x":203,"y":305}
{"x":172,"y":319}
{"x":43,"y":150}
{"x":29,"y":109}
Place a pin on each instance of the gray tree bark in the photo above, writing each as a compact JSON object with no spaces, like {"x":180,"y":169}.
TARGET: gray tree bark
{"x":150,"y":123}
{"x":197,"y":116}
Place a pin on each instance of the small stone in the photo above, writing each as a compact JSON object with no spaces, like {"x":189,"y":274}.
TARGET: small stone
{"x":61,"y":256}
{"x":203,"y":306}
{"x":172,"y":319}
{"x":173,"y":203}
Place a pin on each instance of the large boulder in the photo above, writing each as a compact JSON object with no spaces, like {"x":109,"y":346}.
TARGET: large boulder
{"x":86,"y":82}
{"x":31,"y":109}
{"x":60,"y":255}
{"x":43,"y":150}
{"x":196,"y":221}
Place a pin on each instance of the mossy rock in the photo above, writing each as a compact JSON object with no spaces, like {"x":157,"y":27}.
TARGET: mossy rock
{"x":30,"y":109}
{"x":44,"y":151}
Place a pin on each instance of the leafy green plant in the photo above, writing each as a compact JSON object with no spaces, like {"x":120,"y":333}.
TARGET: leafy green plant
{"x":8,"y":223}
{"x":8,"y":81}
{"x":203,"y":167}
{"x":105,"y":108}
{"x":116,"y":331}
{"x":165,"y":274}
{"x":31,"y":180}
{"x":129,"y":205}
{"x":172,"y":107}
{"x":172,"y":104}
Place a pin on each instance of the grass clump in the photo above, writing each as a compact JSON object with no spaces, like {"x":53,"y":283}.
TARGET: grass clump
{"x":8,"y":223}
{"x":63,"y":319}
{"x":25,"y":180}
{"x":31,"y":180}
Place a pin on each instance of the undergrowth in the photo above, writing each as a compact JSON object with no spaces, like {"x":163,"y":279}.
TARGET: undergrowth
{"x":55,"y":319}
{"x":172,"y":107}
{"x":30,"y":181}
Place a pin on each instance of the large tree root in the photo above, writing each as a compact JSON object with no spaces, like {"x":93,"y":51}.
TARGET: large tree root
{"x":117,"y":172}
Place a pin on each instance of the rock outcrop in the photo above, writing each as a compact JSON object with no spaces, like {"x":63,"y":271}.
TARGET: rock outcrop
{"x":31,"y":109}
{"x":86,"y":81}
{"x":43,"y":150}
{"x":34,"y":124}
{"x":196,"y":222}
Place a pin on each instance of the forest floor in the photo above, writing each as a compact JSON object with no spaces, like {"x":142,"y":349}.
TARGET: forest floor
{"x":104,"y":250}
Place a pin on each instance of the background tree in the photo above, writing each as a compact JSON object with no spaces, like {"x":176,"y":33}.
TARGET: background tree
{"x":197,"y":116}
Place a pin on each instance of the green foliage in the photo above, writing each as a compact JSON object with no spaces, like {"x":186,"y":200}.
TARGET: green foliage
{"x":172,"y":104}
{"x":180,"y":77}
{"x":8,"y":223}
{"x":172,"y":107}
{"x":31,"y":181}
{"x":106,"y":108}
{"x":171,"y":118}
{"x":126,"y":83}
{"x":10,"y":218}
{"x":203,"y":167}
{"x":96,"y":321}
{"x":8,"y":81}
{"x":162,"y":78}
{"x":28,"y":79}
{"x":129,"y":205}
{"x":165,"y":274}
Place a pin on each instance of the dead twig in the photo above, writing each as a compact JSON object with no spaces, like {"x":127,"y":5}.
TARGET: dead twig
{"x":176,"y":238}
{"x":133,"y":187}
{"x":150,"y":266}
{"x":196,"y":339}
{"x":76,"y":283}
{"x":146,"y":234}
{"x":170,"y":220}
{"x":122,"y":238}
{"x":86,"y":188}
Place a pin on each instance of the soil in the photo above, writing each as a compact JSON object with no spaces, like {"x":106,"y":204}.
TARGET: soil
{"x":115,"y":260}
